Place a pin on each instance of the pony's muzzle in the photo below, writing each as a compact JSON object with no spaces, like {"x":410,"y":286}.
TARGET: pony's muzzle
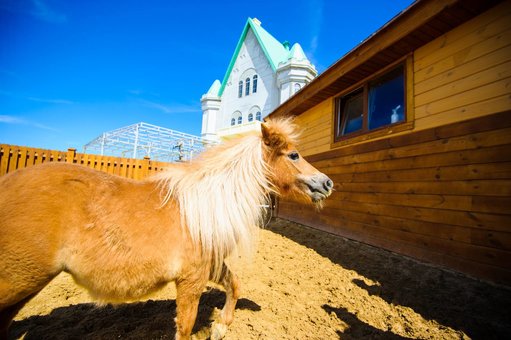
{"x":318,"y":187}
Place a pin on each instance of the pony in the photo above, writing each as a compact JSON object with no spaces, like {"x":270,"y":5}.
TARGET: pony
{"x":123,"y":239}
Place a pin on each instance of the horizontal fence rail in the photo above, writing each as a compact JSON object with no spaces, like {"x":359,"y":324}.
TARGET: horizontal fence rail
{"x":13,"y":157}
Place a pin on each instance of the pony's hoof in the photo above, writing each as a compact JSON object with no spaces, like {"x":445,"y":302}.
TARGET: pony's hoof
{"x":218,"y":331}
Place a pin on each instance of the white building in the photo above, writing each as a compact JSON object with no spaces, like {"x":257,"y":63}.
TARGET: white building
{"x":262,"y":74}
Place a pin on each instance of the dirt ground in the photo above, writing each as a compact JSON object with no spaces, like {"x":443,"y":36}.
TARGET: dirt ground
{"x":301,"y":284}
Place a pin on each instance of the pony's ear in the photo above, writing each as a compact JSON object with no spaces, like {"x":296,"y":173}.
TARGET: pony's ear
{"x":272,"y":137}
{"x":265,"y":130}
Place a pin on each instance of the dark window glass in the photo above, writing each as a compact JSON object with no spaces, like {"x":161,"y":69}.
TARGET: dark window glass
{"x":254,"y":84}
{"x":258,"y":116}
{"x":233,"y":121}
{"x":240,"y":119}
{"x":247,"y":86}
{"x":377,"y":103}
{"x":240,"y":89}
{"x":250,"y":117}
{"x":352,"y":109}
{"x":386,"y":99}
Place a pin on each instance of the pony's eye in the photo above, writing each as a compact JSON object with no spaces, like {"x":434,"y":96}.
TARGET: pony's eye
{"x":294,"y":156}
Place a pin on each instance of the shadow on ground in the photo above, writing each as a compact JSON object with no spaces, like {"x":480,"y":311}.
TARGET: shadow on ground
{"x":141,"y":320}
{"x":359,"y":329}
{"x":480,"y":309}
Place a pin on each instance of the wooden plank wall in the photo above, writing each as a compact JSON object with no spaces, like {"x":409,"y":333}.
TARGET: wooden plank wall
{"x":316,"y":125}
{"x":442,"y":195}
{"x":14,"y":157}
{"x":465,"y":73}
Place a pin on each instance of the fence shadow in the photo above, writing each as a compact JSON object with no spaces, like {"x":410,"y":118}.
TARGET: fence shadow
{"x":140,"y":320}
{"x":479,"y":309}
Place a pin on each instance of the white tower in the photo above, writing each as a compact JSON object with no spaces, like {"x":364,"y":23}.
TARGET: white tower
{"x":210,"y":108}
{"x":294,"y":73}
{"x":262,"y":74}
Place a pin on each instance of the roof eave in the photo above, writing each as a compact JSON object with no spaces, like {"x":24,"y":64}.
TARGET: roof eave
{"x":234,"y":57}
{"x":401,"y":26}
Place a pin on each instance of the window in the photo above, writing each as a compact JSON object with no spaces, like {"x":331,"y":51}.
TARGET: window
{"x":378,"y":103}
{"x":253,"y":112}
{"x":297,"y":87}
{"x":258,"y":115}
{"x":236,"y":117}
{"x":247,"y":86}
{"x":240,"y":89}
{"x":254,"y":84}
{"x":352,"y":108}
{"x":386,"y":99}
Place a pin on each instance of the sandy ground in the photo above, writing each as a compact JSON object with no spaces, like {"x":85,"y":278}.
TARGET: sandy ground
{"x":301,"y":284}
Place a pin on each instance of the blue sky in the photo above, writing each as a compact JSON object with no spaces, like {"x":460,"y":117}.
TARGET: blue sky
{"x":70,"y":70}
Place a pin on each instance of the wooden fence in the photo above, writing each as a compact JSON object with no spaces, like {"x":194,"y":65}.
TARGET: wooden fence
{"x":14,"y":157}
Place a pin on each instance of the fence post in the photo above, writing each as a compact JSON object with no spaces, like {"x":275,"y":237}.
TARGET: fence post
{"x":70,"y":156}
{"x":145,"y":167}
{"x":4,"y":159}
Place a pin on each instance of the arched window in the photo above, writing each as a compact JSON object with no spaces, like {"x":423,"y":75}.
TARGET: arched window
{"x":250,"y":117}
{"x":297,"y":87}
{"x":247,"y":86}
{"x":254,"y":84}
{"x":240,"y":89}
{"x":240,"y":119}
{"x":233,"y":121}
{"x":258,"y":115}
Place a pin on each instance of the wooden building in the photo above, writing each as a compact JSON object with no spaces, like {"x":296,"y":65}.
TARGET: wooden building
{"x":414,"y":127}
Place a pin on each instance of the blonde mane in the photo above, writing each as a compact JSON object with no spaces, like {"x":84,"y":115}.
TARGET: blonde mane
{"x":220,"y":196}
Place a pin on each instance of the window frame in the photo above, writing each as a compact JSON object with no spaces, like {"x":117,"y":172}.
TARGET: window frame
{"x":365,"y":134}
{"x":247,"y":86}
{"x":254,"y":83}
{"x":240,"y":89}
{"x":340,"y":119}
{"x":297,"y":87}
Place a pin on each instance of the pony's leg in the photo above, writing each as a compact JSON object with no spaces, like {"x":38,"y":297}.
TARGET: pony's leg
{"x":232,"y":291}
{"x":7,"y":315}
{"x":18,"y":286}
{"x":189,"y":291}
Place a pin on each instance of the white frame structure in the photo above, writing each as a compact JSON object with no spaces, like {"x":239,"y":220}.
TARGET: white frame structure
{"x":146,"y":140}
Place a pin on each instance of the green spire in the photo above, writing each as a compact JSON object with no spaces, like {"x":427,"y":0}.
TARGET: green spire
{"x":297,"y":53}
{"x":215,"y":88}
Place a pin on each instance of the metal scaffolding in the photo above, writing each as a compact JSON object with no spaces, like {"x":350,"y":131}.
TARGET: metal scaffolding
{"x":145,"y":140}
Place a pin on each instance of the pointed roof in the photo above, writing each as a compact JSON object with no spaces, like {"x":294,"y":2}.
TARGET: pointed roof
{"x":297,"y":53}
{"x":274,"y":50}
{"x":215,"y":87}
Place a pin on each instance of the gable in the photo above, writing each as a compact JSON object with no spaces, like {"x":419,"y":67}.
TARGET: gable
{"x":274,"y":51}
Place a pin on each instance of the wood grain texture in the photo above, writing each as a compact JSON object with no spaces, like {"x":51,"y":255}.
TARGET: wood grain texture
{"x":441,"y":195}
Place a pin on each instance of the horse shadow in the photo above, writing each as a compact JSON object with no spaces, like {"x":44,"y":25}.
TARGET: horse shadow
{"x":478,"y":308}
{"x":357,"y":328}
{"x":139,"y":320}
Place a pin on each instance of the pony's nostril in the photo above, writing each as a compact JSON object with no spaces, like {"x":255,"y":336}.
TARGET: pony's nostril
{"x":329,"y":184}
